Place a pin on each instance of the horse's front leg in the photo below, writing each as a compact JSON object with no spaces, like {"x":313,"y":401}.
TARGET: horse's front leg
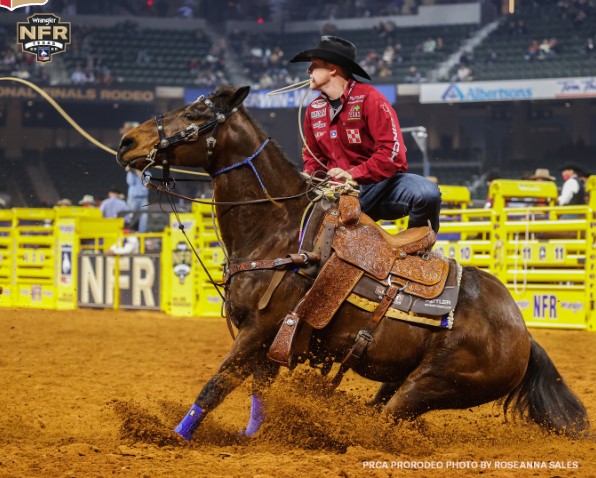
{"x":262,"y":379}
{"x":248,"y":354}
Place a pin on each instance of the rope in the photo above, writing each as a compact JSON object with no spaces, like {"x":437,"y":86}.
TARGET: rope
{"x":288,"y":88}
{"x":294,"y":87}
{"x":76,"y":126}
{"x":302,"y":132}
{"x":63,"y":113}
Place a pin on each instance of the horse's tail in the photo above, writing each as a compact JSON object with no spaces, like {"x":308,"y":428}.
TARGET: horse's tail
{"x":546,"y":399}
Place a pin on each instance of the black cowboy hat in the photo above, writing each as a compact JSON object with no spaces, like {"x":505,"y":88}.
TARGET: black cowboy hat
{"x":573,"y":166}
{"x":335,"y":50}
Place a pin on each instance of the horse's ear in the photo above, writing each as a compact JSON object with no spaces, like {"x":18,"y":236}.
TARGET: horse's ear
{"x":238,"y":96}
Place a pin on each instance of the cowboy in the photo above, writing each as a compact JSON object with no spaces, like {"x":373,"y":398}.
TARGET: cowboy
{"x":352,"y":131}
{"x":541,"y":174}
{"x":113,"y":205}
{"x":573,"y":191}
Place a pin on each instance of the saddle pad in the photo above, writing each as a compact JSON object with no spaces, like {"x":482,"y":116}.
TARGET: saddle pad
{"x":444,"y":303}
{"x":444,"y":322}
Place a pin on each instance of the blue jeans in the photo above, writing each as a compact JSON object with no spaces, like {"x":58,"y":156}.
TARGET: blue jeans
{"x":400,"y":195}
{"x":135,"y":204}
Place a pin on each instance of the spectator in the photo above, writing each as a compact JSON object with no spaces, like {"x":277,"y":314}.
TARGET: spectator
{"x":463,"y":73}
{"x":64,"y":202}
{"x":553,"y":44}
{"x":429,"y":45}
{"x":138,"y":196}
{"x":113,"y":205}
{"x":532,"y":51}
{"x":466,"y":58}
{"x":78,"y":76}
{"x":413,"y":75}
{"x":545,"y":48}
{"x":87,"y":201}
{"x":541,"y":174}
{"x":583,"y":177}
{"x":573,"y":191}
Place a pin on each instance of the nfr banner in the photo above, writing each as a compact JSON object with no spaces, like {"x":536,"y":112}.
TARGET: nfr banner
{"x":137,"y":277}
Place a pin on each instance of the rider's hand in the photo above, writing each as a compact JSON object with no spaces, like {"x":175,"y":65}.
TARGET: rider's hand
{"x":339,"y":174}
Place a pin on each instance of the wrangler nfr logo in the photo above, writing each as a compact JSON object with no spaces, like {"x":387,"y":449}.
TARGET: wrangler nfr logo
{"x":43,"y":35}
{"x":14,"y":4}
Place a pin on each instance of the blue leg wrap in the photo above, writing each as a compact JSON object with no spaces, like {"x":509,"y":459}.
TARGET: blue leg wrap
{"x":190,"y":422}
{"x":257,"y":416}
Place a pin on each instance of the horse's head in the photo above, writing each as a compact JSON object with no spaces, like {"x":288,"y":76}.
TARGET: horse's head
{"x":175,"y":132}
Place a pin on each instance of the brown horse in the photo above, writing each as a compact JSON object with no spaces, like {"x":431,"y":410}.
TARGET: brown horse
{"x":487,"y":355}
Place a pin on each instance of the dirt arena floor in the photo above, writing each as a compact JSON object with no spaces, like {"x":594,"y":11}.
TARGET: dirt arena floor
{"x":96,"y":394}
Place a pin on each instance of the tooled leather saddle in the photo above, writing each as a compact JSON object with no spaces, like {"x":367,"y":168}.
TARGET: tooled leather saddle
{"x":360,"y":261}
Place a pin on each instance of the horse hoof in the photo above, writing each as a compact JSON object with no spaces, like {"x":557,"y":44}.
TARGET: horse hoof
{"x":184,"y":434}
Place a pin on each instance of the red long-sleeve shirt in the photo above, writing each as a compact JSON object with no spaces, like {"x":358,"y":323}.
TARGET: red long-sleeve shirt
{"x":363,"y":137}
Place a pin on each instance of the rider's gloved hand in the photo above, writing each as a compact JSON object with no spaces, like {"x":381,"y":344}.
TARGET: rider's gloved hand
{"x":339,"y":174}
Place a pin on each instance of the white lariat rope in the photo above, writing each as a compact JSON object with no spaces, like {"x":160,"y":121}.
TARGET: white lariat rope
{"x":294,"y":87}
{"x":77,"y":127}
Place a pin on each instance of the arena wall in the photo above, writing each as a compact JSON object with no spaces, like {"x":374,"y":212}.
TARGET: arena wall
{"x":60,"y":258}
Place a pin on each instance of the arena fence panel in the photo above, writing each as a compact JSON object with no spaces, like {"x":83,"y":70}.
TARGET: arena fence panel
{"x":58,"y":258}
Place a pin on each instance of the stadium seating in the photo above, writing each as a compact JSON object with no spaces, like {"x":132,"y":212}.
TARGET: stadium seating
{"x":541,"y":22}
{"x":410,"y":39}
{"x":143,"y":56}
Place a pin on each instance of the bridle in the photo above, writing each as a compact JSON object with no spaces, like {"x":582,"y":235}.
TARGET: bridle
{"x":190,"y":134}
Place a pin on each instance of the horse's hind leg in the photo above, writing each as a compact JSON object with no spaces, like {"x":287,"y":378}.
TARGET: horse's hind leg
{"x":246,"y":356}
{"x":384,"y":394}
{"x":415,"y":397}
{"x":262,"y":379}
{"x":422,"y":391}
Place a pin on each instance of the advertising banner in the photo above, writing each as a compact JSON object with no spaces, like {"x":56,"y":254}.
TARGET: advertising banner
{"x":138,"y":278}
{"x":260,"y":99}
{"x":516,"y":90}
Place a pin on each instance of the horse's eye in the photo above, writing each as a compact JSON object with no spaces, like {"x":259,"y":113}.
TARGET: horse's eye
{"x":188,"y":116}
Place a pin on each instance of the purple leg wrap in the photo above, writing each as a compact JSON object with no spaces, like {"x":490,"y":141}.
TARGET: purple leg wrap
{"x":190,"y":422}
{"x":257,"y":416}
